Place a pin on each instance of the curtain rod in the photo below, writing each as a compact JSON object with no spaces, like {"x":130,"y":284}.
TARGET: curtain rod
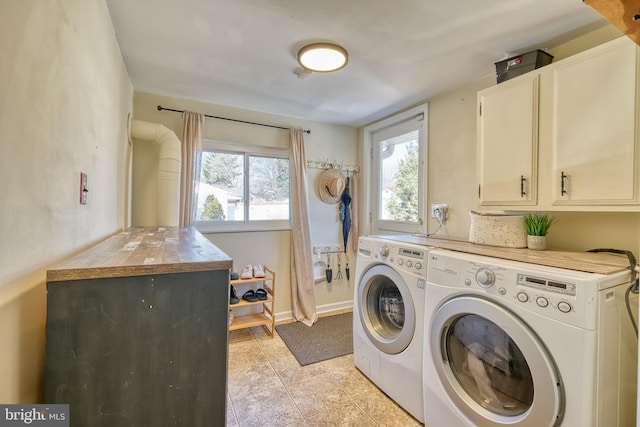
{"x":160,"y":108}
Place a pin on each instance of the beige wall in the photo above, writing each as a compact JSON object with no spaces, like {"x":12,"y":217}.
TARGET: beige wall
{"x":334,"y":143}
{"x":452,"y":157}
{"x":64,"y":100}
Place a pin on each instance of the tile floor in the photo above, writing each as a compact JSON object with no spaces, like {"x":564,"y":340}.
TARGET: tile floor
{"x":267,"y":387}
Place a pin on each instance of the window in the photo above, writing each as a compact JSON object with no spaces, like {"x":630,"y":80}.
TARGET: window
{"x":398,"y":173}
{"x":242,"y":188}
{"x":398,"y":170}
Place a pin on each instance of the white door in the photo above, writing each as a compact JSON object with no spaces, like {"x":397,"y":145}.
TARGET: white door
{"x":398,"y":170}
{"x":387,"y":313}
{"x":492,"y":366}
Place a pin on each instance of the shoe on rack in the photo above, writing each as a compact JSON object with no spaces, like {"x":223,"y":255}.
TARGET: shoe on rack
{"x":230,"y":317}
{"x":233,"y":298}
{"x":233,"y":275}
{"x":258,"y":271}
{"x":250,"y":296}
{"x":261,"y":294}
{"x":247,"y":272}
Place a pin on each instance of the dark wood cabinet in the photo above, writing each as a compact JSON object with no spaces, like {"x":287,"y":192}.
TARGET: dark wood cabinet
{"x":625,"y":15}
{"x":130,"y":345}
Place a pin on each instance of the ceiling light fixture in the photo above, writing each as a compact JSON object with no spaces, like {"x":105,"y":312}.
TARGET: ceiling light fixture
{"x":323,"y":57}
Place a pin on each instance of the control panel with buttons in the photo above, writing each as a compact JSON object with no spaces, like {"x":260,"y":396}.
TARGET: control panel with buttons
{"x":521,"y":288}
{"x":551,"y":294}
{"x":410,"y":260}
{"x":564,"y":295}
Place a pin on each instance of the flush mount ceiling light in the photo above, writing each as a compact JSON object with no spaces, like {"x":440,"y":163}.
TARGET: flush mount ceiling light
{"x":322,"y":57}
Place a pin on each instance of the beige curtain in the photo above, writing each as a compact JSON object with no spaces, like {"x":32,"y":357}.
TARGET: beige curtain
{"x":302,"y":291}
{"x":190,"y":172}
{"x":354,"y":213}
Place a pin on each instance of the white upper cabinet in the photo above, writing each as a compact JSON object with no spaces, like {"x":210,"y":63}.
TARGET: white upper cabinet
{"x":594,"y":138}
{"x":565,"y":136}
{"x":508,"y":142}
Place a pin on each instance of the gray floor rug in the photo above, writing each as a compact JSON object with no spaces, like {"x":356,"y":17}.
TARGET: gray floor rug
{"x":329,"y":337}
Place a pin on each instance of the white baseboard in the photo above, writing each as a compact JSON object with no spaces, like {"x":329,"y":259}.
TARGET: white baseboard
{"x":326,"y":309}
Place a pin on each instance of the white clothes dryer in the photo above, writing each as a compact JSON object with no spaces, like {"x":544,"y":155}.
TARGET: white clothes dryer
{"x":521,"y":345}
{"x":388,"y":318}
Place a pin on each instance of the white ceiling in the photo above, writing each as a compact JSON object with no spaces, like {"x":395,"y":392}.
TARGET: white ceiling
{"x":242,"y":53}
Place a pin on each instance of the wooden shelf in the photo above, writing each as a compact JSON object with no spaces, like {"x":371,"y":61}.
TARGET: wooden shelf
{"x":248,"y":321}
{"x":266,"y":317}
{"x":244,"y":303}
{"x":252,"y":280}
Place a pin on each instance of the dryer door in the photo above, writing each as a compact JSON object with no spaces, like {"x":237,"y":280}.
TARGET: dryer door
{"x":387,"y":312}
{"x":493,"y":367}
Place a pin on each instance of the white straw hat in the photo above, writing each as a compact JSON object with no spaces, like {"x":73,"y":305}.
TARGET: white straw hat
{"x":330,"y":186}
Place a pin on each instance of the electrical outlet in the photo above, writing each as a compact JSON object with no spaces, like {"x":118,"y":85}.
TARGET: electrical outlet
{"x":440,"y":211}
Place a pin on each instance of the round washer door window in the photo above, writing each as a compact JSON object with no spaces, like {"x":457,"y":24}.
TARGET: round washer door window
{"x":493,"y":367}
{"x":387,"y":313}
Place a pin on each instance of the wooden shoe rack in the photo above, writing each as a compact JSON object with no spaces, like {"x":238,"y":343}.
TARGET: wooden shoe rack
{"x":266,"y":317}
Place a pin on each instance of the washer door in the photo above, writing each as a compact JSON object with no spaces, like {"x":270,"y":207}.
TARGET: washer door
{"x":387,"y":313}
{"x":493,"y":367}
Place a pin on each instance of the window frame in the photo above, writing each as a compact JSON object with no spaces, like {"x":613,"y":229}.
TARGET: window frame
{"x":247,"y":150}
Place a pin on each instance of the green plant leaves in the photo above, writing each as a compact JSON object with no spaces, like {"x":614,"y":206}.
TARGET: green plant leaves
{"x":538,"y":224}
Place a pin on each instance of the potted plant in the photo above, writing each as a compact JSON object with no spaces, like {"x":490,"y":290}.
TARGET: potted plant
{"x":537,"y":228}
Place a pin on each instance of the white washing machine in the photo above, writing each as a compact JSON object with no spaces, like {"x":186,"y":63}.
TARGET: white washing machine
{"x":388,"y":318}
{"x":511,"y":343}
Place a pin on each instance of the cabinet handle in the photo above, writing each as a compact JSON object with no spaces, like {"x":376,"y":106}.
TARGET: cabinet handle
{"x":563,"y":177}
{"x":522,"y":181}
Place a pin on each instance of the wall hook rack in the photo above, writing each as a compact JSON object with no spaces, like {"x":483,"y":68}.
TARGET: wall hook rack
{"x":333,"y":165}
{"x":327,"y":249}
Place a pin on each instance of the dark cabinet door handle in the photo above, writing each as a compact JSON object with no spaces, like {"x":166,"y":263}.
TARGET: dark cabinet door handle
{"x":522,"y":181}
{"x":563,"y":177}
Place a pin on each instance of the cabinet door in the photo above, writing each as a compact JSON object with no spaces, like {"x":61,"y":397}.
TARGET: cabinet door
{"x":594,"y":142}
{"x":508,"y":142}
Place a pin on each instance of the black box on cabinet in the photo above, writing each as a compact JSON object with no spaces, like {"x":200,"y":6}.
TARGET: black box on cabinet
{"x":521,"y":64}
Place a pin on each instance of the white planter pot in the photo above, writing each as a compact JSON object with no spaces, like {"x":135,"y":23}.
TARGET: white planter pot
{"x":538,"y":243}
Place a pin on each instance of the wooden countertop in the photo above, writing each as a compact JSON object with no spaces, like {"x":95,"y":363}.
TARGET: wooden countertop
{"x":140,"y":251}
{"x":602,"y":263}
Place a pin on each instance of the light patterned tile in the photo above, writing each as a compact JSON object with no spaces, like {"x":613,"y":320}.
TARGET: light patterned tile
{"x":245,"y":353}
{"x":239,"y":335}
{"x":290,"y":371}
{"x":299,"y":423}
{"x":317,"y":394}
{"x":348,"y":377}
{"x":268,"y":387}
{"x":259,"y":332}
{"x":267,"y":408}
{"x":348,"y":415}
{"x":354,"y":383}
{"x":274,"y":348}
{"x":250,"y":379}
{"x":231,"y":416}
{"x":338,"y":365}
{"x":385,"y":411}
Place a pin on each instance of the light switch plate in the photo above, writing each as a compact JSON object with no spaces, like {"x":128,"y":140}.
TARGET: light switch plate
{"x":83,"y":188}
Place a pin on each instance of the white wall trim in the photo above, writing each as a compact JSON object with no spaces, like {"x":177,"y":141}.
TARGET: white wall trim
{"x":285,"y":316}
